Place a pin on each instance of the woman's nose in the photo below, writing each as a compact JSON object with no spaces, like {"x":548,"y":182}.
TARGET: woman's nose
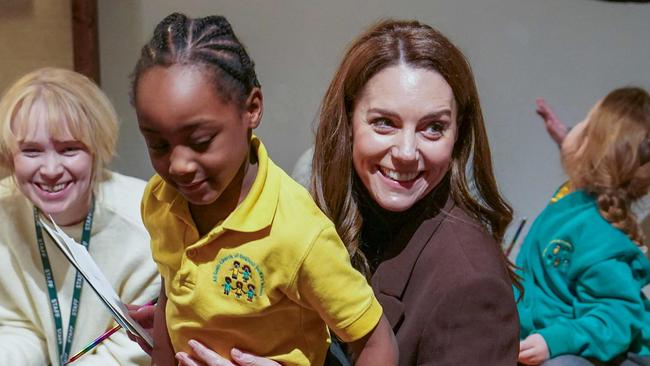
{"x":405,"y":148}
{"x":52,"y":166}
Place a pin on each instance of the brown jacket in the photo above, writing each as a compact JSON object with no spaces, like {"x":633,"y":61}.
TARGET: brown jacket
{"x":447,"y":295}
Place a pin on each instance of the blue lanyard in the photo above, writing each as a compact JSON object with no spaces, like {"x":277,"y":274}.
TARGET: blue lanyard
{"x":63,"y":347}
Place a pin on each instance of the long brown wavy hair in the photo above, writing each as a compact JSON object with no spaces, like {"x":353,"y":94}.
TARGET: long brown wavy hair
{"x":610,"y":157}
{"x":388,"y":43}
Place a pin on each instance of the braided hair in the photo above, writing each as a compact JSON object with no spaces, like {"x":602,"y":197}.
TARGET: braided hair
{"x":612,"y":161}
{"x":207,"y":42}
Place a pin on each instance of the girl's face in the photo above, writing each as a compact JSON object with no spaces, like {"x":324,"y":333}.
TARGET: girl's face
{"x":403,"y":131}
{"x":55,"y":173}
{"x":197,"y":143}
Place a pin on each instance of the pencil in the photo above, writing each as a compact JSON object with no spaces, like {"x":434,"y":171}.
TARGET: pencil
{"x":94,"y":343}
{"x":100,"y":339}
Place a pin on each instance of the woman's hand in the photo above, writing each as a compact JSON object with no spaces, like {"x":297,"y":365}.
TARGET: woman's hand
{"x":555,"y":127}
{"x":533,"y":350}
{"x":144,"y":315}
{"x":203,"y":356}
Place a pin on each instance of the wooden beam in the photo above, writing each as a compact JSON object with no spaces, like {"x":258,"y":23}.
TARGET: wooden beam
{"x":85,"y":40}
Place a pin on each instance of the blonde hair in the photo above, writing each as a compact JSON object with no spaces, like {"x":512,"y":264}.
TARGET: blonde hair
{"x":611,"y":156}
{"x":68,"y":103}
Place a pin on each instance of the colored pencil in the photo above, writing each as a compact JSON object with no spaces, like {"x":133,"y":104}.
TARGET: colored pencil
{"x":100,"y":339}
{"x":94,"y":343}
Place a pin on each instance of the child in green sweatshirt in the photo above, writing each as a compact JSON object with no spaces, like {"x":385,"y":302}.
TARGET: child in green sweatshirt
{"x":583,"y":263}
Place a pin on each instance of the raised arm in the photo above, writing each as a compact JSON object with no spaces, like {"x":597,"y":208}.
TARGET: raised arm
{"x":555,"y":127}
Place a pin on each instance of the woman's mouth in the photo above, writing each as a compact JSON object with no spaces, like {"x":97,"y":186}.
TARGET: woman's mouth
{"x":402,"y":177}
{"x":52,"y":188}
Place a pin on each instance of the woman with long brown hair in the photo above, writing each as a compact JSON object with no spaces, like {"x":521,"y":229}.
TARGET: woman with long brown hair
{"x":403,"y":168}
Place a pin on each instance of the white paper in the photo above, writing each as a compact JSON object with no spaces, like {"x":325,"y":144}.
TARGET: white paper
{"x":83,"y":262}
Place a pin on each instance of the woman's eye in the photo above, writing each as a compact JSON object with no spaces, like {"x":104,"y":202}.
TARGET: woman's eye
{"x":435,"y":129}
{"x":30,"y":152}
{"x":382,"y":124}
{"x":71,"y":150}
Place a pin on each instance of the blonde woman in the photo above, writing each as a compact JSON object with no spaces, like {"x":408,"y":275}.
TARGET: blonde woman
{"x":57,"y":134}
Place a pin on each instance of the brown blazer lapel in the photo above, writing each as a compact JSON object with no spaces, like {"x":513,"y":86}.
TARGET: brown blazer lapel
{"x":393,"y":274}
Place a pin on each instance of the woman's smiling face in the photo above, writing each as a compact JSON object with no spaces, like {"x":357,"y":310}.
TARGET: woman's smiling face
{"x":403,"y":131}
{"x":54,"y":172}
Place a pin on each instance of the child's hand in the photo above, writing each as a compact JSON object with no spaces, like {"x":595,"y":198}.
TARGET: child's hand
{"x":533,"y":350}
{"x":555,"y":127}
{"x":203,"y":356}
{"x":144,"y":316}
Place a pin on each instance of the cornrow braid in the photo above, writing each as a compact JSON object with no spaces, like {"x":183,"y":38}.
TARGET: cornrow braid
{"x":207,"y":42}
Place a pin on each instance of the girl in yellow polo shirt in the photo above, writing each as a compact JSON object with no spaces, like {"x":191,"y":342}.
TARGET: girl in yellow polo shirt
{"x":248,"y":260}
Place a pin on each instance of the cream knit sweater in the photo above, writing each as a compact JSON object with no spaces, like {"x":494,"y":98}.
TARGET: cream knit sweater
{"x":120,"y":246}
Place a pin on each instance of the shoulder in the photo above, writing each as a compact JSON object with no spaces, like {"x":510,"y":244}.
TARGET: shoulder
{"x":594,"y":239}
{"x":299,"y":226}
{"x":296,"y":205}
{"x":463,"y":243}
{"x":461,"y":289}
{"x":13,"y":204}
{"x":8,"y":189}
{"x":16,"y":216}
{"x":121,"y":194}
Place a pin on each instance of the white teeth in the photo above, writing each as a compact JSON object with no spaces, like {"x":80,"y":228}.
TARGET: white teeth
{"x":53,"y":189}
{"x":400,"y":177}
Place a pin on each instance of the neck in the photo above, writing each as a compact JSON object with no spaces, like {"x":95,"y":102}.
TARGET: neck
{"x":72,"y":215}
{"x":207,"y":216}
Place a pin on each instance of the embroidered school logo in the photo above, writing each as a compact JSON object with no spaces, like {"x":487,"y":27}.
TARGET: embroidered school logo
{"x":557,"y":254}
{"x":239,"y":278}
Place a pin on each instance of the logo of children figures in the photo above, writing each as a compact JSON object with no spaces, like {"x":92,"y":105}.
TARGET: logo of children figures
{"x":239,"y":277}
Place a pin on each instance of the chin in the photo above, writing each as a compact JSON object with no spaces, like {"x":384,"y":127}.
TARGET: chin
{"x":51,"y":209}
{"x":203,"y":200}
{"x":397,"y":205}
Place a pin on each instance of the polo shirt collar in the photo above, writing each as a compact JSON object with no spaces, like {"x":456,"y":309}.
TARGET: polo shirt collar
{"x":178,"y":206}
{"x":257,"y":210}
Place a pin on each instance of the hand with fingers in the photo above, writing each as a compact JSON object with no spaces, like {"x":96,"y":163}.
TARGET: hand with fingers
{"x":533,"y":350}
{"x":555,"y":127}
{"x":203,"y":356}
{"x":144,"y":315}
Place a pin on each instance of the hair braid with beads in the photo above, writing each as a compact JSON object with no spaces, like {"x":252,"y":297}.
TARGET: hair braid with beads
{"x":207,"y":42}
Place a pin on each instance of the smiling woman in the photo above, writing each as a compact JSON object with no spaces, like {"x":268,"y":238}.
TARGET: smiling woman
{"x":51,"y":167}
{"x":401,"y":140}
{"x":404,"y":129}
{"x":57,"y":133}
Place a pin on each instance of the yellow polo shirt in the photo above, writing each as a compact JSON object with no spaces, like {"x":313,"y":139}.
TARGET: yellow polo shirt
{"x":269,"y":279}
